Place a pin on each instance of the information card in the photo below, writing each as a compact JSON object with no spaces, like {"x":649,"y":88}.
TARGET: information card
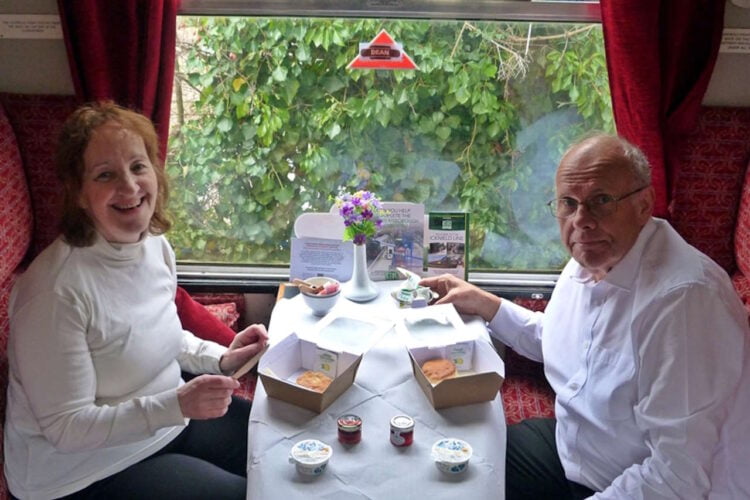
{"x":321,"y":257}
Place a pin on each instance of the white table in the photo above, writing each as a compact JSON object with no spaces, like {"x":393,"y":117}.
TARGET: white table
{"x":374,"y":468}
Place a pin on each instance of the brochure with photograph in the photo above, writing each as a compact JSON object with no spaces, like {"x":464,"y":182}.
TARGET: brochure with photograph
{"x":398,"y":243}
{"x":447,"y":242}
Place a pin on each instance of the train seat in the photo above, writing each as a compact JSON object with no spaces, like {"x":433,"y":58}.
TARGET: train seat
{"x":710,"y":205}
{"x":741,"y":277}
{"x":525,"y":391}
{"x":16,"y":226}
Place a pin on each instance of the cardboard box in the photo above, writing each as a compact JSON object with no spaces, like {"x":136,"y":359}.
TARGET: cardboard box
{"x":478,"y":384}
{"x":283,"y":362}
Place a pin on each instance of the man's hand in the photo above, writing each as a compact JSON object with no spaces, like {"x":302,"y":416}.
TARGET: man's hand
{"x":465,"y":297}
{"x":206,"y":396}
{"x":245,"y":345}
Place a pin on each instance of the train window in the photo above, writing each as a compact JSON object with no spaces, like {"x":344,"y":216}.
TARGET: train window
{"x":269,"y":121}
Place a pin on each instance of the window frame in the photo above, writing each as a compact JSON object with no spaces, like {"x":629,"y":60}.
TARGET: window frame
{"x":265,"y":279}
{"x":491,"y":10}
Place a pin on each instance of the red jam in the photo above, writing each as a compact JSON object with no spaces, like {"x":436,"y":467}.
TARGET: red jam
{"x":350,"y":429}
{"x":402,"y":430}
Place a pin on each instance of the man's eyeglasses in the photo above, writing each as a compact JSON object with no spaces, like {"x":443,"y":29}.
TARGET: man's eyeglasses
{"x":600,"y":205}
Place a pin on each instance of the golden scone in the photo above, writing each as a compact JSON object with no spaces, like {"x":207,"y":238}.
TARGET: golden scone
{"x":316,"y":381}
{"x":438,"y":369}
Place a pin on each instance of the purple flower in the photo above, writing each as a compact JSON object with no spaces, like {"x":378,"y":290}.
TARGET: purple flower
{"x":361,"y":214}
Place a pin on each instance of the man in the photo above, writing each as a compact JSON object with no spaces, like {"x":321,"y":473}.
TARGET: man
{"x":644,"y":342}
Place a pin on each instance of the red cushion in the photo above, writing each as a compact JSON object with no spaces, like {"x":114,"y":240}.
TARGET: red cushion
{"x":37,"y":120}
{"x":225,"y":312}
{"x":222,"y":299}
{"x":199,"y":320}
{"x":15,"y":209}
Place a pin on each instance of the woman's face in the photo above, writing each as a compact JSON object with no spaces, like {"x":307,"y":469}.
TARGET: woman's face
{"x":119,"y":184}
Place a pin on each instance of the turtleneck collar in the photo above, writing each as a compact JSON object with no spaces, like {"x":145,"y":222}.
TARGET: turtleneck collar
{"x":118,"y":252}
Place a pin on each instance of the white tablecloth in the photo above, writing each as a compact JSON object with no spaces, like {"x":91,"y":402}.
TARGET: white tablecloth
{"x":374,"y":468}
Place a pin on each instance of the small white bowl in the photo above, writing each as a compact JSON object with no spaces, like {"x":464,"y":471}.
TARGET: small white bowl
{"x":321,"y":304}
{"x":451,"y":455}
{"x":310,"y":457}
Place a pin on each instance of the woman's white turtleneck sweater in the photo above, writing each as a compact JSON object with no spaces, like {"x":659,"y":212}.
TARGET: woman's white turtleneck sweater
{"x":95,"y":353}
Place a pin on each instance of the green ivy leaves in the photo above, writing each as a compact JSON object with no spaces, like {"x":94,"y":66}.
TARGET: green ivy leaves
{"x":273,"y":124}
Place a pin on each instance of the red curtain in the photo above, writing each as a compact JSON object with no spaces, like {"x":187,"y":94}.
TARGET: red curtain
{"x":660,"y":55}
{"x":123,"y":50}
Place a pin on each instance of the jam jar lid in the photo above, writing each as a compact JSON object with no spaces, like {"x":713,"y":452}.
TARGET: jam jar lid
{"x":402,"y":423}
{"x":349,"y":422}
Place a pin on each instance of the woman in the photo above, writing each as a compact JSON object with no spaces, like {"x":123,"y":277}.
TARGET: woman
{"x":96,"y":403}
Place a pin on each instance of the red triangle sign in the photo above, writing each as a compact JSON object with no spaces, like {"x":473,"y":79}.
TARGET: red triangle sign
{"x":382,"y":53}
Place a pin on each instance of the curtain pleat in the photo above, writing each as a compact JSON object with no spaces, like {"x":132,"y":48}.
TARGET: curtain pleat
{"x":123,"y":50}
{"x":660,"y":56}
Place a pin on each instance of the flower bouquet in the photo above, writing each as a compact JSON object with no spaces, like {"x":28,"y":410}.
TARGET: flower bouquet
{"x":361,"y":212}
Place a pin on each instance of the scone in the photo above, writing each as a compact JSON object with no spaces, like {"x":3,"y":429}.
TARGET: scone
{"x":438,"y":369}
{"x":316,"y":381}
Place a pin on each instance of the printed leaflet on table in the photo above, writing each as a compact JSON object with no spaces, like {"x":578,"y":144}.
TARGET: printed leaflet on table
{"x":447,"y":242}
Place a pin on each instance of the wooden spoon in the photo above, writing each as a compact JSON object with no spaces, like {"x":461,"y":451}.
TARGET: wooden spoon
{"x":249,"y":364}
{"x":307,"y":287}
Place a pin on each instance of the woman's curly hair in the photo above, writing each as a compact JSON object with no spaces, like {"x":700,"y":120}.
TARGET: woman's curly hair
{"x":76,"y":226}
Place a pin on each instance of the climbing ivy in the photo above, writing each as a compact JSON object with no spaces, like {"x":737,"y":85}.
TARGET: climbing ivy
{"x":269,"y":122}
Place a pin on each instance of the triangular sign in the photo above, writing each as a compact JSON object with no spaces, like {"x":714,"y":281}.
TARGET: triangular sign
{"x":382,"y":53}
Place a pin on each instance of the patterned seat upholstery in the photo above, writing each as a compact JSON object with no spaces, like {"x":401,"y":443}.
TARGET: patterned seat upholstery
{"x":706,"y":194}
{"x":741,"y":277}
{"x":525,"y":391}
{"x":711,"y":201}
{"x":15,"y":239}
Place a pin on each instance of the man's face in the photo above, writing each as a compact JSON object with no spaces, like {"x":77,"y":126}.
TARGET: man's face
{"x":598,"y":242}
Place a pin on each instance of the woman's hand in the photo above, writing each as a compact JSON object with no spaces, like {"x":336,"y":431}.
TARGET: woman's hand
{"x":206,"y":396}
{"x":465,"y":297}
{"x":245,"y":345}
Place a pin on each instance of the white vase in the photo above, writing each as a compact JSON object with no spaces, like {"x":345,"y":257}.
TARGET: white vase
{"x":360,"y":288}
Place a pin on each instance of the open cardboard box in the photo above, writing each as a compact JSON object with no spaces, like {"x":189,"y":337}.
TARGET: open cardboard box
{"x":481,"y":383}
{"x":439,"y":332}
{"x":283,"y":362}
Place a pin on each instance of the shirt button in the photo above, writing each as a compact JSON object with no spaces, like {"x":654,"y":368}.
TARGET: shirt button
{"x":574,"y":386}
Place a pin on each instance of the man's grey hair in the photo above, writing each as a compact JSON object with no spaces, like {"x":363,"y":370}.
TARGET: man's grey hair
{"x":635,"y":161}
